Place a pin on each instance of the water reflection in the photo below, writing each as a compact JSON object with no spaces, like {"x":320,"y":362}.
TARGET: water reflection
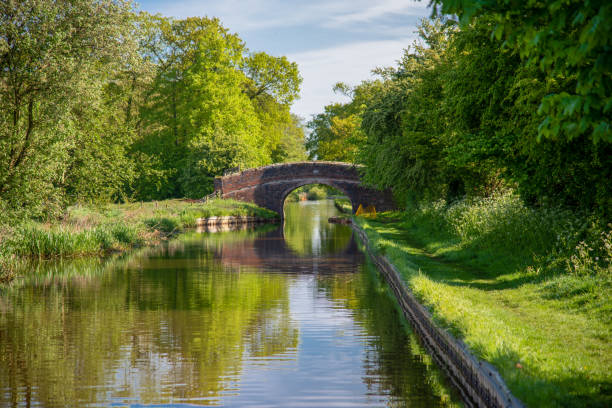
{"x":254,"y":317}
{"x":307,"y":232}
{"x":270,"y":251}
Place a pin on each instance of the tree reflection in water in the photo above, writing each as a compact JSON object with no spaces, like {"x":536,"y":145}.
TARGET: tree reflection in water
{"x":188,"y":321}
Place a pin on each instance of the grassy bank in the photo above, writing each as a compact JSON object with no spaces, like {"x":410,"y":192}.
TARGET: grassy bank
{"x":343,"y":205}
{"x":92,"y":230}
{"x":528,"y":290}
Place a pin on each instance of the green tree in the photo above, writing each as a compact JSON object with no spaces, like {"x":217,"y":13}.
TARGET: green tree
{"x":211,"y":107}
{"x":291,"y":147}
{"x":197,"y":119}
{"x":224,"y":126}
{"x":275,"y":76}
{"x":404,"y":123}
{"x":52,"y":56}
{"x":492,"y":98}
{"x":567,"y":40}
{"x":273,"y":84}
{"x":336,"y":134}
{"x":459,"y":116}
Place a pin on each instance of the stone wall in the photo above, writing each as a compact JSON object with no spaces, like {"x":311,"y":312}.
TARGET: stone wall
{"x":268,"y":186}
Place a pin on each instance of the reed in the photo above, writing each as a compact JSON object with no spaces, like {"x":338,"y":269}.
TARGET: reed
{"x":91,"y":230}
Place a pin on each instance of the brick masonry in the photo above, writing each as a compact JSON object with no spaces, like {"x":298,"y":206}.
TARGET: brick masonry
{"x":268,"y":186}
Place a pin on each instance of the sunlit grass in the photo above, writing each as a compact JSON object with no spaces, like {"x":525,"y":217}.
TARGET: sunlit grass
{"x":501,"y":277}
{"x":343,"y":205}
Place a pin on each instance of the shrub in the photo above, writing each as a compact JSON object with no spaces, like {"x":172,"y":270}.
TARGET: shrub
{"x":316,"y":193}
{"x":164,"y":224}
{"x":551,"y":237}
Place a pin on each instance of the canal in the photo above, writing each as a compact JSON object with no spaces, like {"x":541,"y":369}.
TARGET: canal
{"x":290,"y":316}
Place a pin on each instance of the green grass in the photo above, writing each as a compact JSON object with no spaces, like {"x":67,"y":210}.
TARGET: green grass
{"x":343,"y":205}
{"x":534,"y":303}
{"x":85,"y":231}
{"x":57,"y":241}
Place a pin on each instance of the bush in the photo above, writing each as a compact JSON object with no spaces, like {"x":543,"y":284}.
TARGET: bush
{"x":316,"y":193}
{"x":549,"y":237}
{"x":164,"y":224}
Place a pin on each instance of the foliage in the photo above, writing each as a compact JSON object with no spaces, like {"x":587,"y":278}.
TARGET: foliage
{"x":291,"y":147}
{"x":102,"y":104}
{"x":404,"y":123}
{"x":212,"y":106}
{"x":55,"y":58}
{"x":276,"y":77}
{"x":568,"y":41}
{"x":336,"y":134}
{"x":503,"y":223}
{"x":458,"y":117}
{"x":488,"y":269}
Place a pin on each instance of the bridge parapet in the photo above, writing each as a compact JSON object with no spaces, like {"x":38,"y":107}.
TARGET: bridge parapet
{"x":268,"y":186}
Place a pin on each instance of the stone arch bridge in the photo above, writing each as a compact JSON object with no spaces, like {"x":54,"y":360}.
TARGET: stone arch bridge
{"x":268,"y":186}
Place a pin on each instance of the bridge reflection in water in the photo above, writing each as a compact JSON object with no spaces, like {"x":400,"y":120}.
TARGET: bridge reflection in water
{"x":306,"y":244}
{"x":271,"y":252}
{"x":269,"y":317}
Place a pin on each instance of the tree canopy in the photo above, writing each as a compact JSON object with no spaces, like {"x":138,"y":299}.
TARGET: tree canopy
{"x":103,"y":103}
{"x":569,"y":41}
{"x":465,"y":114}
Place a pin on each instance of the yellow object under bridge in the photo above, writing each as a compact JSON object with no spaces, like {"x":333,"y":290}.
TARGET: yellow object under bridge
{"x":369,"y":211}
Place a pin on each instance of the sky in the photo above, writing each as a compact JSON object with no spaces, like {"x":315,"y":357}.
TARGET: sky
{"x":331,"y":40}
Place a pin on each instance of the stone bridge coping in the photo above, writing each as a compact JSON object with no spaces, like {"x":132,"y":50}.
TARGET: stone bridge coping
{"x":277,"y":165}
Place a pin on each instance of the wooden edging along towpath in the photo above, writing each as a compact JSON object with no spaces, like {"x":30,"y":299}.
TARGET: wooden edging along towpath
{"x":478,"y":381}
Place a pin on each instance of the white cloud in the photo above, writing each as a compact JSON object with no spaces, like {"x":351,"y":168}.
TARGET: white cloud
{"x":261,"y":14}
{"x":381,"y":9}
{"x":252,"y":14}
{"x":295,"y":24}
{"x":350,"y":63}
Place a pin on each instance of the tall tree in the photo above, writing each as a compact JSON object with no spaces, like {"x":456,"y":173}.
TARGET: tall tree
{"x":291,"y":147}
{"x":404,"y":123}
{"x":336,"y":133}
{"x":52,"y":53}
{"x":198,"y":121}
{"x":273,"y":83}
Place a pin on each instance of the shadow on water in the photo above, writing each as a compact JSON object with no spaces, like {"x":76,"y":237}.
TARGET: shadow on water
{"x":252,"y":317}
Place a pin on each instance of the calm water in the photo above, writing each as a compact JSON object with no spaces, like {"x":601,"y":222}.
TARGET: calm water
{"x":287,"y":316}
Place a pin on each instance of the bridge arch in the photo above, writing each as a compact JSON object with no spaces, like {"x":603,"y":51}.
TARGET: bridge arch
{"x":302,"y":183}
{"x":268,"y":186}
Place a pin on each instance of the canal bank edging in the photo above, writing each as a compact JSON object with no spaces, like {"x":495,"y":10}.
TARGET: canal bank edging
{"x":478,"y":381}
{"x":233,"y":219}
